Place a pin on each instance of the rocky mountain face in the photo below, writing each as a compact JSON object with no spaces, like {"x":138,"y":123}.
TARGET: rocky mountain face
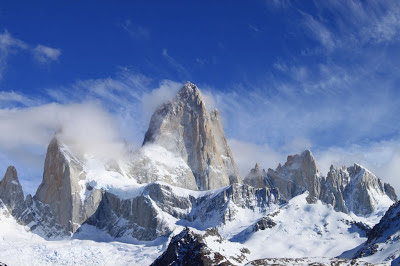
{"x":355,"y":189}
{"x":11,"y":193}
{"x":62,"y":187}
{"x":158,"y":207}
{"x":347,"y":189}
{"x":190,"y":248}
{"x":256,"y":177}
{"x":384,"y":238}
{"x":184,"y":175}
{"x":183,"y":127}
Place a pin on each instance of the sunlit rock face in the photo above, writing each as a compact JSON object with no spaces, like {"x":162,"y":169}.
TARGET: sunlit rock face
{"x":62,"y":191}
{"x":183,"y":127}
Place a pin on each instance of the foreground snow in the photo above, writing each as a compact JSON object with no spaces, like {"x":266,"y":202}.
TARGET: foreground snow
{"x":19,"y":247}
{"x":302,"y":230}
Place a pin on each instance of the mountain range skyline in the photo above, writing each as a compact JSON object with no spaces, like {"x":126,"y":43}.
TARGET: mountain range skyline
{"x":285,"y":76}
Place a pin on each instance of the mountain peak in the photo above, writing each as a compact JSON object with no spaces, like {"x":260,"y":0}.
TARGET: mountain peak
{"x":184,"y":128}
{"x":11,"y":175}
{"x":11,"y":193}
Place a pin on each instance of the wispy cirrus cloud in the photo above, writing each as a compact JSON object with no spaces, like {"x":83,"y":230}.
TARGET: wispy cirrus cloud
{"x":136,"y":31}
{"x":11,"y":98}
{"x":10,"y":45}
{"x":45,"y":54}
{"x":352,"y":23}
{"x":178,"y":67}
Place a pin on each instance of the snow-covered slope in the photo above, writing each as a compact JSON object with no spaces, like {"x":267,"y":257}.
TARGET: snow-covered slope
{"x":304,"y":230}
{"x":383,"y":244}
{"x":19,"y":246}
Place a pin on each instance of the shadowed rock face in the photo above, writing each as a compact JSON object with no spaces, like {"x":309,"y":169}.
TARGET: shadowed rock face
{"x":144,"y":216}
{"x":383,"y":235}
{"x":190,"y":248}
{"x":11,"y":192}
{"x":184,"y":127}
{"x":61,"y":191}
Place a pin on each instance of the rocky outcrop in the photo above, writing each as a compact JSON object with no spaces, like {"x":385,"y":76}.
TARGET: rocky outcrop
{"x":190,"y":248}
{"x":355,"y":189}
{"x":256,"y":177}
{"x":183,"y":127}
{"x":308,"y":261}
{"x":63,"y":188}
{"x":158,"y":207}
{"x":11,"y":193}
{"x":299,"y":174}
{"x":384,"y":235}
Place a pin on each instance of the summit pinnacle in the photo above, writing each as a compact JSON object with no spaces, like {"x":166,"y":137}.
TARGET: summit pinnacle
{"x":185,"y":128}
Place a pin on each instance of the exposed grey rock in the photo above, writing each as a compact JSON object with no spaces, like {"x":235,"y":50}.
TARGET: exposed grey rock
{"x":189,"y":248}
{"x":347,"y":189}
{"x":389,"y":190}
{"x":11,"y":192}
{"x":143,"y":216}
{"x":184,"y":127}
{"x":256,"y":177}
{"x":361,"y":192}
{"x":299,"y":174}
{"x":332,"y":191}
{"x":308,"y":261}
{"x":136,"y":217}
{"x":62,"y":191}
{"x":383,"y":235}
{"x":262,"y":224}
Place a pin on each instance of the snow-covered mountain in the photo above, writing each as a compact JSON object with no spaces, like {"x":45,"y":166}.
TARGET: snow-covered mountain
{"x":179,"y":198}
{"x":383,"y":244}
{"x":351,"y":189}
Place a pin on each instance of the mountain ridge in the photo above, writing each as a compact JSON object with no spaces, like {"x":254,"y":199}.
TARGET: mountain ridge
{"x":184,"y":177}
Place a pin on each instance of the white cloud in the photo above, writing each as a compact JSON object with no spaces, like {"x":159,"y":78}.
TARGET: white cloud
{"x":8,"y":45}
{"x":26,"y":132}
{"x":45,"y":54}
{"x":11,"y":45}
{"x":247,"y":154}
{"x":136,"y":31}
{"x":153,"y":99}
{"x":179,"y":68}
{"x":10,"y":98}
{"x":353,"y":24}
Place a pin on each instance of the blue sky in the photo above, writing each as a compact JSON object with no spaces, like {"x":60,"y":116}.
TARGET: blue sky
{"x":285,"y":75}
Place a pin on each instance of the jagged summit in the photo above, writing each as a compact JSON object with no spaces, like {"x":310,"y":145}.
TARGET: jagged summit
{"x":256,"y":177}
{"x":184,"y":128}
{"x":348,"y":189}
{"x":11,"y":193}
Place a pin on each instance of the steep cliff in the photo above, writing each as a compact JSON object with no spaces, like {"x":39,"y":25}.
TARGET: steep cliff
{"x":184,"y":128}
